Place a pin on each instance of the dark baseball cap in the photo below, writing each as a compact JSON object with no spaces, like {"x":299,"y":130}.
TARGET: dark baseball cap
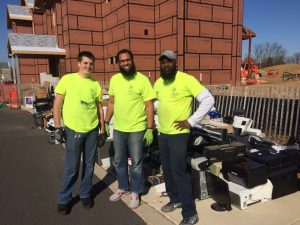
{"x":168,"y":54}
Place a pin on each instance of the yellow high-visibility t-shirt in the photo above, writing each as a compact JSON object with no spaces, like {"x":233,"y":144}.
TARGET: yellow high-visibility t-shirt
{"x":81,"y":96}
{"x":175,"y":100}
{"x":129,"y":97}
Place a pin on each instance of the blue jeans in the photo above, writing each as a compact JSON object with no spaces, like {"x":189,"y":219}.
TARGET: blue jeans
{"x":173,"y":149}
{"x":132,"y":143}
{"x":75,"y":144}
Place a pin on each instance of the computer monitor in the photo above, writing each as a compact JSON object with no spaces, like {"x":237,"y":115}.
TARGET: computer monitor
{"x":218,"y":190}
{"x":28,"y":100}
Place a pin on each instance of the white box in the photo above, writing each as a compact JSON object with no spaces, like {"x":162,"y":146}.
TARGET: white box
{"x":242,"y":197}
{"x":107,"y":162}
{"x":160,"y":188}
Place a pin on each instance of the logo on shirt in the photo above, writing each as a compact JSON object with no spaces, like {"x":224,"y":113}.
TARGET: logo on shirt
{"x":92,"y":92}
{"x":173,"y":92}
{"x":130,"y":88}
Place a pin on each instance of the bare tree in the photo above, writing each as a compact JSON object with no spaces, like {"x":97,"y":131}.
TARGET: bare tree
{"x":269,"y":54}
{"x":289,"y":59}
{"x":278,"y":53}
{"x":295,"y":58}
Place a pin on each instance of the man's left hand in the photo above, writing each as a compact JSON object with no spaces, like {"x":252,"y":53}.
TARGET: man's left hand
{"x":148,"y":137}
{"x":101,"y":139}
{"x":181,"y":125}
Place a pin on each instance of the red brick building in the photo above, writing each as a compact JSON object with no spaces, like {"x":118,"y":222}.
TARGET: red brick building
{"x":206,"y":34}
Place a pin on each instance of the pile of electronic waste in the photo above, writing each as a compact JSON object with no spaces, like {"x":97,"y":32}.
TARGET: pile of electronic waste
{"x":238,"y":166}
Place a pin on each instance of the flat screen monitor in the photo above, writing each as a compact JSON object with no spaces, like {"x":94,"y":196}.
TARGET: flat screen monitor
{"x":218,"y":190}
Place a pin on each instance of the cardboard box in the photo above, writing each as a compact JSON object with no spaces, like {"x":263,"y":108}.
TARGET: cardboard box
{"x":41,"y":92}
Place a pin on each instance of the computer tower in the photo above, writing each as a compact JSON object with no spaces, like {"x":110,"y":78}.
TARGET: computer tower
{"x":199,"y":185}
{"x":294,"y":154}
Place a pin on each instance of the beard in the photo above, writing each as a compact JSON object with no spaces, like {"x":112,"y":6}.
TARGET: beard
{"x":168,"y":75}
{"x":128,"y":73}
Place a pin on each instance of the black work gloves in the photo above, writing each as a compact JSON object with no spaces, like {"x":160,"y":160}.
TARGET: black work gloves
{"x":101,"y":139}
{"x":60,"y":135}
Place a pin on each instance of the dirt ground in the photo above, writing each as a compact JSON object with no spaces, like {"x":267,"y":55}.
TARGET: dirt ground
{"x":279,"y":70}
{"x":278,"y":80}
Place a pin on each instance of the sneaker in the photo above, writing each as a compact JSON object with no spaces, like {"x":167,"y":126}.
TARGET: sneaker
{"x":190,"y":220}
{"x":135,"y":200}
{"x":170,"y":207}
{"x":63,"y":209}
{"x":118,"y":195}
{"x":87,"y":203}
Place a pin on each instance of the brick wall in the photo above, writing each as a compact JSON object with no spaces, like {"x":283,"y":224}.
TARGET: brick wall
{"x":142,"y":36}
{"x":206,"y":34}
{"x":22,"y":26}
{"x":30,"y":67}
{"x":217,"y":46}
{"x":80,"y":27}
{"x":116,"y":32}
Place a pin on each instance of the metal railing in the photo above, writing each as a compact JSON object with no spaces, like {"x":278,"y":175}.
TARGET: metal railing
{"x":275,"y":109}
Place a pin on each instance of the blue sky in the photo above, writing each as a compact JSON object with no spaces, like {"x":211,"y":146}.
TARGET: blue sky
{"x":3,"y":27}
{"x":272,"y":20}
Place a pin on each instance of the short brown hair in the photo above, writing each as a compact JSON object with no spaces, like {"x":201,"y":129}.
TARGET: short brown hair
{"x":85,"y":54}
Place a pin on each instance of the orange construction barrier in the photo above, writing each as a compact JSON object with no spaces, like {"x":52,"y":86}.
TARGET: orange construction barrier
{"x":13,"y":100}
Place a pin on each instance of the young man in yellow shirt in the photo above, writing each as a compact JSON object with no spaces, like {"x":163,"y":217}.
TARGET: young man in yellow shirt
{"x":174,"y":91}
{"x":131,"y":104}
{"x":79,"y":96}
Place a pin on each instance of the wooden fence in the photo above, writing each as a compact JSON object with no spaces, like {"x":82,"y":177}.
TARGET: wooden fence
{"x":275,"y":109}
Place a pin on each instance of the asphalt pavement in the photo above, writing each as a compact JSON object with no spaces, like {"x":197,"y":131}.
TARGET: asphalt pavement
{"x":31,"y":173}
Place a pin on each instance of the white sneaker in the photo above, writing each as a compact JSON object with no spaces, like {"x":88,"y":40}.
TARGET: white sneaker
{"x":117,"y":195}
{"x":135,"y":200}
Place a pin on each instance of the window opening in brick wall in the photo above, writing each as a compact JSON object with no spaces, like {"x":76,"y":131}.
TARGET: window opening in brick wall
{"x":146,"y":32}
{"x":111,"y":60}
{"x":54,"y":66}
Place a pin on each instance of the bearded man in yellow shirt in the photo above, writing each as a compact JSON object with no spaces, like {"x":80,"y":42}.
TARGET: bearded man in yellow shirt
{"x":131,"y":104}
{"x":174,"y":91}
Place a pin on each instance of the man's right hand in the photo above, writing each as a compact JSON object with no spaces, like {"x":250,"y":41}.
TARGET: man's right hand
{"x":101,"y":139}
{"x":107,"y":130}
{"x":60,"y":135}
